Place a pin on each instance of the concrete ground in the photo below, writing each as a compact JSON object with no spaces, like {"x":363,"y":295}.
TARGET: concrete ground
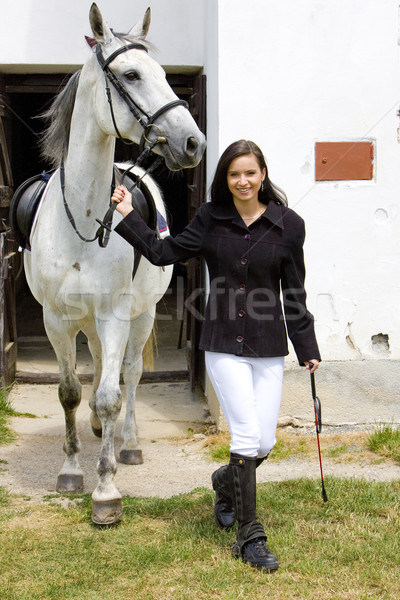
{"x":354,"y":395}
{"x":170,"y":420}
{"x":351,"y":392}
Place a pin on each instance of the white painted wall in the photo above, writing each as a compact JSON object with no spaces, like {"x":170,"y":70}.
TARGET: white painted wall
{"x":296,"y":72}
{"x":44,"y":36}
{"x":285,"y":74}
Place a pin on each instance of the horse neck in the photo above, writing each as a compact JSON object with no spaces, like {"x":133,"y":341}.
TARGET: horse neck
{"x":90,"y":159}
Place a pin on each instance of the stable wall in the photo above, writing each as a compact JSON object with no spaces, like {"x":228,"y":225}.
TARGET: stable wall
{"x":286,"y":74}
{"x":296,"y":72}
{"x":44,"y":36}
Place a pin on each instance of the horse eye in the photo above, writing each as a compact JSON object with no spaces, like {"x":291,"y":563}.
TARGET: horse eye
{"x":132,"y":76}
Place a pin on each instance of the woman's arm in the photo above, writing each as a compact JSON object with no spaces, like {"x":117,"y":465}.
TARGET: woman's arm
{"x":160,"y":252}
{"x":299,"y":321}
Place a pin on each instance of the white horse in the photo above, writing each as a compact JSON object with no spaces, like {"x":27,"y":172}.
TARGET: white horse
{"x":81,"y":286}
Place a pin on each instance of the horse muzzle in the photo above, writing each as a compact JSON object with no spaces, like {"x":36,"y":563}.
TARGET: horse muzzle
{"x":182,"y":156}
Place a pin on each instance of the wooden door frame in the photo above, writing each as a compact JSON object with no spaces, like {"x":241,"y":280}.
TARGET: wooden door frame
{"x":8,"y":326}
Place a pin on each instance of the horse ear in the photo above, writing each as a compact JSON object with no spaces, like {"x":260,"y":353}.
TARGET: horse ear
{"x":140,"y":30}
{"x":101,"y":30}
{"x":91,"y":41}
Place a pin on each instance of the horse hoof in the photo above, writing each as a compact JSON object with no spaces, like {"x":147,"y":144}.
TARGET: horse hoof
{"x":95,"y":424}
{"x":97,"y":432}
{"x":131,"y":457}
{"x":106,"y":512}
{"x":70,"y":484}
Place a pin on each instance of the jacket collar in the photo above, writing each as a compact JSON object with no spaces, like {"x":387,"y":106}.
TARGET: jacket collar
{"x":273,"y":213}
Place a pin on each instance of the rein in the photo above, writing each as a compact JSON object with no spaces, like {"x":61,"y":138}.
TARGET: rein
{"x":145,"y":120}
{"x":103,"y":232}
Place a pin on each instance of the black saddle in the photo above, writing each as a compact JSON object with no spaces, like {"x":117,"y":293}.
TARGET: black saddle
{"x":24,"y":205}
{"x":27,"y":197}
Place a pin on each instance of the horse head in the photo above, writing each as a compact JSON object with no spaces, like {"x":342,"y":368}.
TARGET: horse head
{"x":139,"y":105}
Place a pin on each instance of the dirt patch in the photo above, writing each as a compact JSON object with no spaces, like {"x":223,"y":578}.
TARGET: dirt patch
{"x":179,"y":465}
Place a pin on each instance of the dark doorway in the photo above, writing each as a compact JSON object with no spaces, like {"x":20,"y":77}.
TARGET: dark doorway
{"x":28,"y":97}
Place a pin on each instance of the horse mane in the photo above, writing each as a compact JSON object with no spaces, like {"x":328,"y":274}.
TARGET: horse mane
{"x":56,"y":135}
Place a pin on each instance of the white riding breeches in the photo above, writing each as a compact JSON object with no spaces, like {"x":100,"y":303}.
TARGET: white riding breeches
{"x":249,"y":391}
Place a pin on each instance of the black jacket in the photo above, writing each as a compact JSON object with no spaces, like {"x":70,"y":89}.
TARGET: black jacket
{"x":248,"y":267}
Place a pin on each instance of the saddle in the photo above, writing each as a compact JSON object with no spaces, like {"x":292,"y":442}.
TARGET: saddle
{"x":27,"y":198}
{"x":24,"y":205}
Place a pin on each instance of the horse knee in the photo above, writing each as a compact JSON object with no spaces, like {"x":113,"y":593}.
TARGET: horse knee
{"x":70,"y":393}
{"x":108,"y":402}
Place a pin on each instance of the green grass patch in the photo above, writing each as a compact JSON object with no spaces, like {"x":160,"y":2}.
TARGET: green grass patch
{"x":170,"y":549}
{"x":220,"y":453}
{"x":7,"y":435}
{"x":338,"y":447}
{"x":285,"y":448}
{"x":385,"y":441}
{"x":6,"y":411}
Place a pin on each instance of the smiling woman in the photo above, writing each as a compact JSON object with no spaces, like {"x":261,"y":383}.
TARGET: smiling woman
{"x":252,"y":244}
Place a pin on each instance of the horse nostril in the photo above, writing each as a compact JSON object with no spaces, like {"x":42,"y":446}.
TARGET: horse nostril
{"x":192,"y":146}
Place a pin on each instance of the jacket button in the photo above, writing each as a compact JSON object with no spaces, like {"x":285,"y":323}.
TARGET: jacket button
{"x":247,"y":236}
{"x":239,"y":339}
{"x":243,"y":261}
{"x":241,"y":313}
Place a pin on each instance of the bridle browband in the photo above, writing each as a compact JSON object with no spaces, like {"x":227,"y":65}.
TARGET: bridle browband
{"x":145,"y":120}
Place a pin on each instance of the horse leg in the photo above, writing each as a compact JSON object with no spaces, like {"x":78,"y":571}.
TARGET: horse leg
{"x":95,"y":351}
{"x":70,"y":478}
{"x":140,"y":330}
{"x":106,"y":499}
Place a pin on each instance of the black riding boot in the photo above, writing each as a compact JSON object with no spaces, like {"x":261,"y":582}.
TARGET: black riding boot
{"x":250,"y":537}
{"x":224,"y":507}
{"x":224,"y":511}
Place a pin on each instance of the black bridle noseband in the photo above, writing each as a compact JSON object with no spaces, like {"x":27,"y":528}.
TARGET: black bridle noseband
{"x":145,"y":120}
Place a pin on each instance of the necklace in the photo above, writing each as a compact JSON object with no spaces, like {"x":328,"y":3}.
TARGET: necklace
{"x":255,"y":216}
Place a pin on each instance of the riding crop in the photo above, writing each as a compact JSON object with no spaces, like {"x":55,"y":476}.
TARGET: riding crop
{"x":318,"y":428}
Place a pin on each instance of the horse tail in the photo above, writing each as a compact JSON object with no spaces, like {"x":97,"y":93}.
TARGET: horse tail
{"x":148,"y":350}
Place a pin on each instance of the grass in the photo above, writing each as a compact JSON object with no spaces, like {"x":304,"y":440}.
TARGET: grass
{"x":7,"y":435}
{"x":385,"y":440}
{"x":383,"y":443}
{"x":170,"y":549}
{"x":6,"y":411}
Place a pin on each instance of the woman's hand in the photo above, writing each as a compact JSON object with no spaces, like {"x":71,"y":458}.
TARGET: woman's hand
{"x":123,"y":199}
{"x":312,"y":365}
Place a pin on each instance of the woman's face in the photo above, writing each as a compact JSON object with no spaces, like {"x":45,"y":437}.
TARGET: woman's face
{"x":244,"y":178}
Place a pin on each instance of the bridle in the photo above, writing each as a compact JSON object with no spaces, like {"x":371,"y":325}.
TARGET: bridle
{"x":145,"y":120}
